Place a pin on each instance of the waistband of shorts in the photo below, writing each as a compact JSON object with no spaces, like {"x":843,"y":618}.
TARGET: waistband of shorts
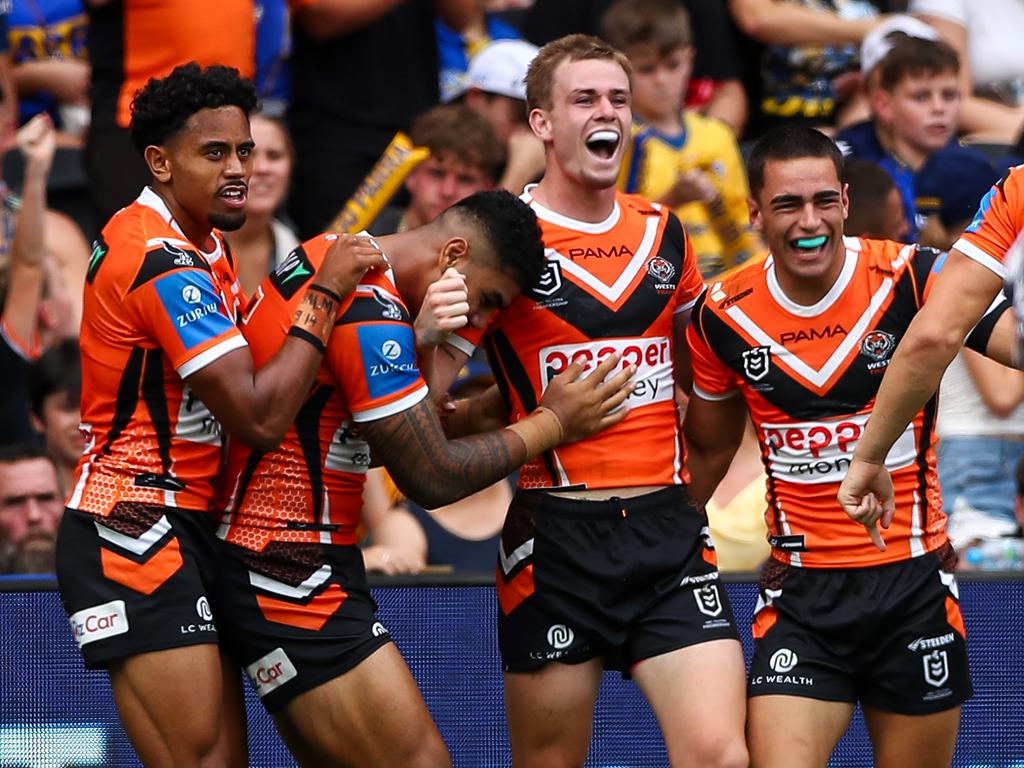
{"x":670,"y":495}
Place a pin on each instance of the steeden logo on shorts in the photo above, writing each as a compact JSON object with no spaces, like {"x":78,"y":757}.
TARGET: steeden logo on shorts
{"x":99,"y":622}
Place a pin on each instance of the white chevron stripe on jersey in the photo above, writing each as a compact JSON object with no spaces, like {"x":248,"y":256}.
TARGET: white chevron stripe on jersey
{"x":813,"y":375}
{"x":614,"y":291}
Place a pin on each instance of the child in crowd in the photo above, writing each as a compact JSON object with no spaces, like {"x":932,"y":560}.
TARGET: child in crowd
{"x":55,"y":386}
{"x":680,"y":159}
{"x":465,"y":157}
{"x":915,"y":105}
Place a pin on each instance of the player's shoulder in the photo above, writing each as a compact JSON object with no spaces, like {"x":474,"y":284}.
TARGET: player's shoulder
{"x":638,"y":206}
{"x":735,"y":286}
{"x":890,"y":258}
{"x":376,"y":299}
{"x":138,"y":246}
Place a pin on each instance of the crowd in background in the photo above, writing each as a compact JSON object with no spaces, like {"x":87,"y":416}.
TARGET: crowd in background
{"x":927,"y":107}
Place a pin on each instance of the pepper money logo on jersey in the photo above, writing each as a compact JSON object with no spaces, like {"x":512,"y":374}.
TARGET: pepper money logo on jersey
{"x":653,"y":381}
{"x":389,"y":358}
{"x":193,"y":306}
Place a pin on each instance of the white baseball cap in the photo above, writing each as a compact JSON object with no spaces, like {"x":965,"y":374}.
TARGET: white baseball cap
{"x":877,"y":44}
{"x":501,"y":68}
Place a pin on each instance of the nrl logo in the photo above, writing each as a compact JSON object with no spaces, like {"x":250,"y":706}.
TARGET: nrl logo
{"x":936,"y":668}
{"x":756,"y":363}
{"x":550,"y":279}
{"x":709,"y":602}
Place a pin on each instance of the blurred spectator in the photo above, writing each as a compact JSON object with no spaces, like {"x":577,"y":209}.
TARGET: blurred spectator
{"x":463,"y":536}
{"x":681,"y":159}
{"x":264,"y":241}
{"x":131,"y":42}
{"x":273,"y":56}
{"x":41,"y":300}
{"x":360,"y":72}
{"x":737,"y":508}
{"x":495,"y":90}
{"x":465,"y":157}
{"x":987,"y":38}
{"x":55,"y":388}
{"x":949,"y":188}
{"x":456,"y":50}
{"x":51,"y":67}
{"x":807,"y":70}
{"x":8,"y":96}
{"x":876,"y":208}
{"x":715,"y":88}
{"x":31,"y":505}
{"x":915,"y":106}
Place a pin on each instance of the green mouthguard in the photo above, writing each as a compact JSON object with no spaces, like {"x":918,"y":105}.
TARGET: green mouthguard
{"x":811,"y":242}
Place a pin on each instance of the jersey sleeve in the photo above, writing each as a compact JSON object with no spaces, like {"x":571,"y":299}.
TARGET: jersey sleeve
{"x":178,"y":305}
{"x":691,"y":284}
{"x":467,"y":339}
{"x":995,"y":226}
{"x":712,"y":379}
{"x":372,"y":355}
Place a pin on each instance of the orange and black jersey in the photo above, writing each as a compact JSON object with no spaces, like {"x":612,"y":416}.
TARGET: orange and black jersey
{"x":310,"y":488}
{"x":809,"y":376}
{"x":156,"y":310}
{"x":610,"y":287}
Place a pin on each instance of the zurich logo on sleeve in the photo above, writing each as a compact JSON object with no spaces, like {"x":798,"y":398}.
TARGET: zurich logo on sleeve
{"x":193,"y":306}
{"x":389,"y":358}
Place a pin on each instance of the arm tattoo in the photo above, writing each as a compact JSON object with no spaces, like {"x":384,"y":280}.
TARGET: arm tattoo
{"x":432,"y":470}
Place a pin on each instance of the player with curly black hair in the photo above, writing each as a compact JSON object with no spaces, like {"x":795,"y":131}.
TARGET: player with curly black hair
{"x":294,"y":607}
{"x":164,"y":365}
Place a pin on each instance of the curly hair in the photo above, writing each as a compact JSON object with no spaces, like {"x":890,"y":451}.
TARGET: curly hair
{"x":510,"y":227}
{"x":456,"y":130}
{"x":162,"y":106}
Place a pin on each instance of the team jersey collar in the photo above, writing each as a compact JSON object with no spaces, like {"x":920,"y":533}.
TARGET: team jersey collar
{"x":152,"y":200}
{"x":552,"y":217}
{"x":826,"y":301}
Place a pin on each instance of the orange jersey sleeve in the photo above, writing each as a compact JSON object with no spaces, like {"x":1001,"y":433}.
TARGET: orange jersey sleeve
{"x":1000,"y":218}
{"x":712,"y":379}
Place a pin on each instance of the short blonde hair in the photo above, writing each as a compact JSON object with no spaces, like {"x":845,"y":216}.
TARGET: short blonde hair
{"x":568,"y":48}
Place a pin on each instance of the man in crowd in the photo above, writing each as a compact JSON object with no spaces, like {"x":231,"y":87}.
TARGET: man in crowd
{"x":163,"y":366}
{"x":605,"y":562}
{"x":30,"y":509}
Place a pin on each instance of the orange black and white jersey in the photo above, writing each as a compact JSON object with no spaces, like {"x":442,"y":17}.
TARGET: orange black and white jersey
{"x":809,"y":375}
{"x":608,"y":287}
{"x":998,"y":222}
{"x":310,"y":488}
{"x":156,"y":310}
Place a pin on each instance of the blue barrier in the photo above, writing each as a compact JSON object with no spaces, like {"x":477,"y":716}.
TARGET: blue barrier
{"x":54,"y":713}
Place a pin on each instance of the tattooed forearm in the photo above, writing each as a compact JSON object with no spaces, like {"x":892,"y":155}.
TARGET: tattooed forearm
{"x":430,"y":469}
